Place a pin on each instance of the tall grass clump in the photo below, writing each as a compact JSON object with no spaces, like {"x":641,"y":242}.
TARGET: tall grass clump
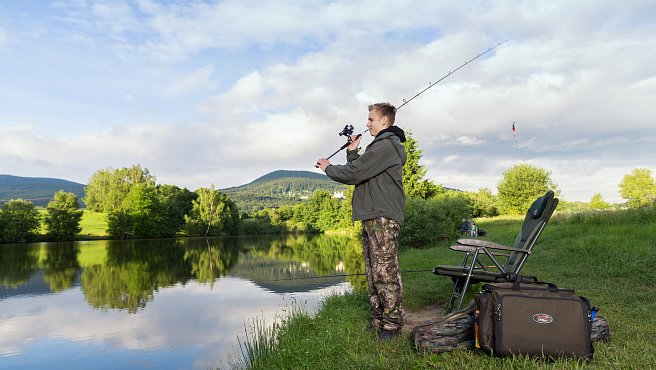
{"x":261,"y":340}
{"x":636,"y":216}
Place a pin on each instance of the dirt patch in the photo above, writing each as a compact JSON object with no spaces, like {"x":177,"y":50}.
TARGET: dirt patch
{"x":413,"y":318}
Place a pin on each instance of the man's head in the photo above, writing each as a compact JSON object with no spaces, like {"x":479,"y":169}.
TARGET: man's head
{"x":381,"y":116}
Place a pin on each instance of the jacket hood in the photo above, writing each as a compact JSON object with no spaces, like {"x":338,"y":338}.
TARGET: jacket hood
{"x":393,"y":130}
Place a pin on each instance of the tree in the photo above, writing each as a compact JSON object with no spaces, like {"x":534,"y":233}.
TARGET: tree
{"x":598,"y":202}
{"x":20,"y":221}
{"x":107,"y":188}
{"x":521,"y":185}
{"x":325,"y":208}
{"x":63,"y":215}
{"x":414,"y":183}
{"x":483,"y":203}
{"x":138,"y":215}
{"x":211,"y":212}
{"x":638,"y":188}
{"x":175,"y":203}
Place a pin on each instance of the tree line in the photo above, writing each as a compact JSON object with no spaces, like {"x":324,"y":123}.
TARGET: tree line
{"x":137,"y":207}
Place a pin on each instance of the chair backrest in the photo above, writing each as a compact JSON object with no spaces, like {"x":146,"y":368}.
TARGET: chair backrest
{"x":535,"y":220}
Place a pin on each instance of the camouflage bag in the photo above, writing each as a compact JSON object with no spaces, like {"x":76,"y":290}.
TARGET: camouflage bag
{"x":455,"y":331}
{"x":600,"y":330}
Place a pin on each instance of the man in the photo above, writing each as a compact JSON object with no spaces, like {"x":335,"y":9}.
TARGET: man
{"x":378,"y":201}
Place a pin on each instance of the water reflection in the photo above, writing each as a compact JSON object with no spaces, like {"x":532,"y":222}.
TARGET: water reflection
{"x":60,"y":265}
{"x":165,"y":303}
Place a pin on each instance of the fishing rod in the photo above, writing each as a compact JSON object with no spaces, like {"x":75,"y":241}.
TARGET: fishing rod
{"x":338,"y":275}
{"x":348,"y":129}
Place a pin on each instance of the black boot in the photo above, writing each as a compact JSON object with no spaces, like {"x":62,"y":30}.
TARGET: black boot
{"x":385,"y":334}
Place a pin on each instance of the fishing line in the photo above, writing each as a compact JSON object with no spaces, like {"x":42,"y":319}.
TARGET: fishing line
{"x":338,"y":275}
{"x":430,"y":85}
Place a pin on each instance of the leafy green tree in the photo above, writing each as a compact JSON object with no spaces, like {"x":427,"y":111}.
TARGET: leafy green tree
{"x":174,"y":203}
{"x":108,"y":187}
{"x":414,"y":183}
{"x":19,"y":221}
{"x":138,"y":216}
{"x":598,"y":202}
{"x":521,"y":185}
{"x":63,"y":215}
{"x":345,"y":213}
{"x":211,"y":212}
{"x":638,"y":188}
{"x":483,"y":203}
{"x":325,"y":208}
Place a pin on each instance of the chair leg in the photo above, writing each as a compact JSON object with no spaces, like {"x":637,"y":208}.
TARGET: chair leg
{"x":460,"y":284}
{"x":455,"y":294}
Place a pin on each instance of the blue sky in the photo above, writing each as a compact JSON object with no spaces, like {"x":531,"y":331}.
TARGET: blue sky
{"x":222,"y":92}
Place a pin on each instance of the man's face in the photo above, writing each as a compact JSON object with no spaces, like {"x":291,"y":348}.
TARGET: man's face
{"x":376,"y":123}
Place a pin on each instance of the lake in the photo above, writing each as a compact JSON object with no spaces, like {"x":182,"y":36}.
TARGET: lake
{"x":164,"y":304}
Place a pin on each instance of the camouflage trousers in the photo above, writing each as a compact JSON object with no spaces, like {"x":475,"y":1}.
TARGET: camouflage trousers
{"x":381,"y":263}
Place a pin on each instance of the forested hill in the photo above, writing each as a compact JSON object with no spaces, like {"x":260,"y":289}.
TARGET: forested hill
{"x":280,"y":188}
{"x":38,"y":190}
{"x":271,"y":190}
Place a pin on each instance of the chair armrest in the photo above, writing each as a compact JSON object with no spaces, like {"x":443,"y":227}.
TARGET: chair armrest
{"x":480,"y":243}
{"x":483,"y":244}
{"x":463,"y":248}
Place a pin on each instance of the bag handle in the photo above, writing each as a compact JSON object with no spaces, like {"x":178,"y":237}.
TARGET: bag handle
{"x":551,"y":286}
{"x":517,"y":280}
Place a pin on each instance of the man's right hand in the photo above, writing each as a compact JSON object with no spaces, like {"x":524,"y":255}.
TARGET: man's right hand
{"x":354,"y":142}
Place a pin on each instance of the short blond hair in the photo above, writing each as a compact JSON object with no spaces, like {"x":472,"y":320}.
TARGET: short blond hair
{"x":385,"y":110}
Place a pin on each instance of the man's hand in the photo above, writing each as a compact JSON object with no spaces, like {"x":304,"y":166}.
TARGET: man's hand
{"x":354,"y":142}
{"x":322,"y":163}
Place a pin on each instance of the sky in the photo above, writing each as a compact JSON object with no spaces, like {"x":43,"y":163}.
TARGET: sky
{"x":220,"y":93}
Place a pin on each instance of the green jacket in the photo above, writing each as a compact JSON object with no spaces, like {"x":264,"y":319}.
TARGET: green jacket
{"x":378,"y":178}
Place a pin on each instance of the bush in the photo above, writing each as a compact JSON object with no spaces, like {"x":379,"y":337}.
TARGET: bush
{"x":19,"y":221}
{"x":430,"y":220}
{"x":63,"y":216}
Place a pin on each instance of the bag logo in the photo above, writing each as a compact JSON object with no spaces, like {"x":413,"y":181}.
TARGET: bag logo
{"x":542,"y":318}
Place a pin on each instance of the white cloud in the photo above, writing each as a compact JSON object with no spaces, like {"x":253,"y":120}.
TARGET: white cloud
{"x":469,"y":140}
{"x":198,"y":80}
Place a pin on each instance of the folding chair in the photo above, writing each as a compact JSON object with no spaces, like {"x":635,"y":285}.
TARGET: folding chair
{"x":486,"y":261}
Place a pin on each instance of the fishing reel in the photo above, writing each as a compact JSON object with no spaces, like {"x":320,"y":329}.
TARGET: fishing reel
{"x":347,"y":131}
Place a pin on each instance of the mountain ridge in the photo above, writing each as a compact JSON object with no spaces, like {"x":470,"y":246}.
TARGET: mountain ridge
{"x":38,"y":190}
{"x":278,"y":188}
{"x":274,"y":189}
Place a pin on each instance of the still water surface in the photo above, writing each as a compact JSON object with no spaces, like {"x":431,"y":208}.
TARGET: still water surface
{"x":161,"y":304}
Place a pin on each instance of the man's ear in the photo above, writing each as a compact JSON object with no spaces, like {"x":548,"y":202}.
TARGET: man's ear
{"x":385,"y":121}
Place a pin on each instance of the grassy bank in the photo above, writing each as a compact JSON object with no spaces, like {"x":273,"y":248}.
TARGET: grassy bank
{"x":93,"y":224}
{"x":607,"y":257}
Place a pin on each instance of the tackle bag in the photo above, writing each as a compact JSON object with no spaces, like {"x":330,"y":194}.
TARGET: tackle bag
{"x":535,"y":319}
{"x":455,"y":331}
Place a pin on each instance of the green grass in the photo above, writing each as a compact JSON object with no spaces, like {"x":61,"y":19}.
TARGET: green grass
{"x":610,"y":258}
{"x":93,"y":223}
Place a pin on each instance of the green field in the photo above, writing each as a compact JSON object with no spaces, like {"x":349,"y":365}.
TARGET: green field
{"x":607,"y":257}
{"x":93,"y":223}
